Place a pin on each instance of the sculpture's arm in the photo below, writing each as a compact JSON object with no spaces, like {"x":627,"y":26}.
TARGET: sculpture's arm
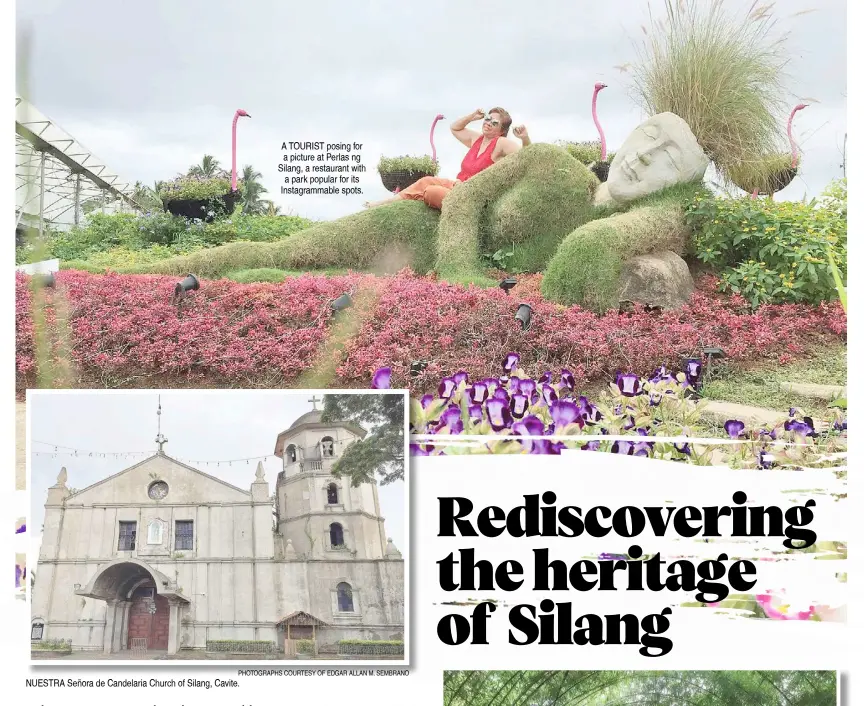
{"x":586,"y":268}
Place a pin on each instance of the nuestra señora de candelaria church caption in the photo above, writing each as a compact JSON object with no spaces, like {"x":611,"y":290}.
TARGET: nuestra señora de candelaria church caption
{"x":162,"y":558}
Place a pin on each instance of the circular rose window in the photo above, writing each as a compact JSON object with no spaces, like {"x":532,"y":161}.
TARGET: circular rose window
{"x":158,"y":490}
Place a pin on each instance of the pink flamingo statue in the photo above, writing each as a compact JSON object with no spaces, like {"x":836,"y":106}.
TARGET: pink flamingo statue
{"x":782,"y":180}
{"x":597,"y":88}
{"x":238,"y":114}
{"x":601,"y":168}
{"x":792,"y":144}
{"x":432,"y":134}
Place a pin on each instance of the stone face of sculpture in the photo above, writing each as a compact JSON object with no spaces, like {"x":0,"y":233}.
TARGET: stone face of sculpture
{"x":661,"y":152}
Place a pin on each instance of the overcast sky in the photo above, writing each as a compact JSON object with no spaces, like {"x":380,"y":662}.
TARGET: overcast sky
{"x":200,"y":427}
{"x":151,"y":87}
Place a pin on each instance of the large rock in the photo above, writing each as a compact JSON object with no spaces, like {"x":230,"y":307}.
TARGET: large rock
{"x":661,"y":279}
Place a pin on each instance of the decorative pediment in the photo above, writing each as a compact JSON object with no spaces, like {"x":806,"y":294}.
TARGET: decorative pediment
{"x":299,"y":617}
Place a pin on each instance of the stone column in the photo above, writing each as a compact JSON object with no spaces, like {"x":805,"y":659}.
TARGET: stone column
{"x":110,"y":623}
{"x":124,"y":631}
{"x":173,"y":627}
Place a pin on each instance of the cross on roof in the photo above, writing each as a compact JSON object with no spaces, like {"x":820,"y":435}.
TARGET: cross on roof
{"x":315,"y":401}
{"x":160,"y":437}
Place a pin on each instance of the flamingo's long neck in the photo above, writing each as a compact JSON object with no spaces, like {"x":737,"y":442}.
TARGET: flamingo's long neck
{"x":791,"y":140}
{"x":431,"y":136}
{"x":234,"y":153}
{"x":597,"y":123}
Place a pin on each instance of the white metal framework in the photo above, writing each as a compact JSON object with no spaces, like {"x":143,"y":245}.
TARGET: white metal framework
{"x":55,"y":174}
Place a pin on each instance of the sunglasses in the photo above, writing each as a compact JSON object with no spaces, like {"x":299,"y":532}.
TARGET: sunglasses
{"x":493,"y":123}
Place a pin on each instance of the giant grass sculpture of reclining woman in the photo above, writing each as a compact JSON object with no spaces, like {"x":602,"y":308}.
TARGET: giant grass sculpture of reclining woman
{"x":539,"y":201}
{"x":485,"y":149}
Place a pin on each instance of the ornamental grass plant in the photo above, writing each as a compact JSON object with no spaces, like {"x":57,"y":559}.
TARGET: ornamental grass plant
{"x":724,"y":75}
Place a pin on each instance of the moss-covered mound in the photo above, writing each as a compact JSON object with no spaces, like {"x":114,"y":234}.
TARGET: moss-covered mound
{"x":587,"y":266}
{"x":532,"y":199}
{"x":381,"y":239}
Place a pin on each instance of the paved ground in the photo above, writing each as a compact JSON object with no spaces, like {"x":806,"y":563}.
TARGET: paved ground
{"x":20,"y":455}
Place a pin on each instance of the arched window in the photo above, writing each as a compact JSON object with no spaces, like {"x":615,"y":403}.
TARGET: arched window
{"x":337,"y":536}
{"x":37,"y":630}
{"x":345,"y":598}
{"x":327,"y":450}
{"x":290,"y":454}
{"x":332,"y":494}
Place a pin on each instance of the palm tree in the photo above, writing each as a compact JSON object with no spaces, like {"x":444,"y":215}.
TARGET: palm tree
{"x":252,"y":191}
{"x":271,"y":209}
{"x":208,"y":168}
{"x":145,"y":196}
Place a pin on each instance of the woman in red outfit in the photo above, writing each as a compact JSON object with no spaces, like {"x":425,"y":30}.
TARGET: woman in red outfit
{"x":486,"y":147}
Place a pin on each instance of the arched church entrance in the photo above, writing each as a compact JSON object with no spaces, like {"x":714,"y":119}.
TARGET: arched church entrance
{"x":149,"y":618}
{"x":142,"y":607}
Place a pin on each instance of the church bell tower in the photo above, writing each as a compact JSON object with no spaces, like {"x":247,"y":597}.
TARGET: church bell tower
{"x":320,"y":516}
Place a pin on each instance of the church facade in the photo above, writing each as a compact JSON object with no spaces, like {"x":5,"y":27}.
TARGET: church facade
{"x":162,"y":557}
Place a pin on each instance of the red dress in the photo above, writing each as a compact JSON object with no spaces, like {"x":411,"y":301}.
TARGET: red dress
{"x":474,"y":162}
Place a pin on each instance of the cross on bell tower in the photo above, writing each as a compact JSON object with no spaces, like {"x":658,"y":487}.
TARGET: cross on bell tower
{"x":315,"y":401}
{"x":160,"y":437}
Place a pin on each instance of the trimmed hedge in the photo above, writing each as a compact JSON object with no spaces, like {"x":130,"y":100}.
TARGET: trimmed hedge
{"x":242,"y":646}
{"x":371,"y":647}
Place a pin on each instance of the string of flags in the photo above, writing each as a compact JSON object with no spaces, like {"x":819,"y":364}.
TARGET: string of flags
{"x":60,"y":450}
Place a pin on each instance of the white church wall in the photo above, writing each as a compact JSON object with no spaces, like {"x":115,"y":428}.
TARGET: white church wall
{"x":186,"y":487}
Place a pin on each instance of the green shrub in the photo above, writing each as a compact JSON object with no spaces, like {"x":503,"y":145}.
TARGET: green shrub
{"x":124,"y":241}
{"x":245,"y":646}
{"x":260,"y":274}
{"x":371,"y":647}
{"x":586,"y":152}
{"x":305,"y":647}
{"x":118,"y":259}
{"x":61,"y":645}
{"x":409,"y":164}
{"x":773,"y":251}
{"x":253,"y":228}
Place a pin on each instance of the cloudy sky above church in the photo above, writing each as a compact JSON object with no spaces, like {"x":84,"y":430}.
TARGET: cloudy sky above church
{"x":200,"y":427}
{"x":150,"y":88}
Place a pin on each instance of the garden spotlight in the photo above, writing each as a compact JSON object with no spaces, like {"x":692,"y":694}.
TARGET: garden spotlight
{"x":190,"y":282}
{"x":710,"y":354}
{"x":523,"y":315}
{"x":341,"y":303}
{"x":417,"y":367}
{"x":507,"y":284}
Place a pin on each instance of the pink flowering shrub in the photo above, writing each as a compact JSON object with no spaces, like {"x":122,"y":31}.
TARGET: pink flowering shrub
{"x":452,"y":329}
{"x":126,"y":332}
{"x":125,"y":329}
{"x":25,"y":355}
